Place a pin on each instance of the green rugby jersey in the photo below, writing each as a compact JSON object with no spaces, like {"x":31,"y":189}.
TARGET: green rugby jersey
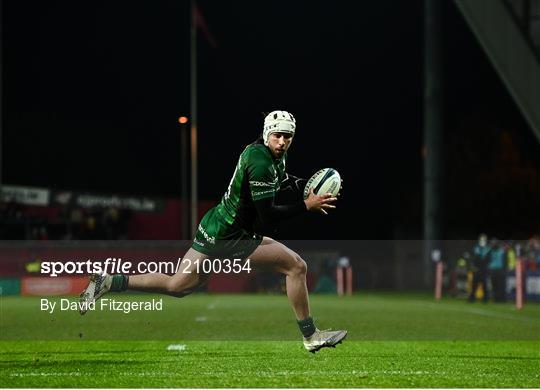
{"x":258,"y":175}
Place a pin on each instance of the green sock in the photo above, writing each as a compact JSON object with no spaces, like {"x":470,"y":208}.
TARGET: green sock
{"x":306,"y":326}
{"x":119,"y":283}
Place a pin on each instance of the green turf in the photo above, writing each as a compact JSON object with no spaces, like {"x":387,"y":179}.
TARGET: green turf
{"x":395,"y":340}
{"x":270,"y":364}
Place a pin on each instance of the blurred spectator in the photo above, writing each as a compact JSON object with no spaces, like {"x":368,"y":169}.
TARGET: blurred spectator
{"x":90,"y":231}
{"x":109,"y":220}
{"x":75,"y":228}
{"x":511,"y":257}
{"x":42,"y":234}
{"x":496,"y":268}
{"x":459,"y":287}
{"x":326,"y":283}
{"x":536,"y":255}
{"x":479,"y":267}
{"x":532,"y":254}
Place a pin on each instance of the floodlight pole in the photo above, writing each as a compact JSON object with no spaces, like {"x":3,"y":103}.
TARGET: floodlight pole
{"x":1,"y":102}
{"x":193,"y":118}
{"x":433,"y":133}
{"x":183,"y":180}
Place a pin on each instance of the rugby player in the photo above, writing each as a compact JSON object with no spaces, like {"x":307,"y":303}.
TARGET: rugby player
{"x":227,"y":231}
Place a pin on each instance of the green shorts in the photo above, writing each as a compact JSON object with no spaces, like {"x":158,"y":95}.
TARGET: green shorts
{"x":218,"y":239}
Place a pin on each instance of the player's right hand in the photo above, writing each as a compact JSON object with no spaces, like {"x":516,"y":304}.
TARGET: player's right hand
{"x":319,"y":203}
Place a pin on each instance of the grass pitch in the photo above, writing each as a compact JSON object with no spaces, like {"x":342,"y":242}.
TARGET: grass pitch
{"x":395,"y":340}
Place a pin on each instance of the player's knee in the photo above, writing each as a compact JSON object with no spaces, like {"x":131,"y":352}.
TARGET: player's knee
{"x":179,"y":290}
{"x":299,"y":266}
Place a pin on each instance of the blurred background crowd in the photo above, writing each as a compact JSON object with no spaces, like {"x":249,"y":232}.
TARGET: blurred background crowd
{"x":71,"y":223}
{"x":487,"y":270}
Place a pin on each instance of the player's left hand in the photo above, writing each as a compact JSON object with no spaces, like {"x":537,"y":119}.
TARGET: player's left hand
{"x":319,"y":203}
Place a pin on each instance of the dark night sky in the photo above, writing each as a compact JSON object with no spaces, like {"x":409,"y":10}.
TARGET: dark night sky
{"x":92,"y":91}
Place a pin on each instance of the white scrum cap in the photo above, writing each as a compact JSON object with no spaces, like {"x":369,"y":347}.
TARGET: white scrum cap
{"x":278,"y":122}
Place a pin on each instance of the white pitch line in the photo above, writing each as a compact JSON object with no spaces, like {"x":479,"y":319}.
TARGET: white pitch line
{"x":24,"y":374}
{"x":261,"y":373}
{"x":478,"y":311}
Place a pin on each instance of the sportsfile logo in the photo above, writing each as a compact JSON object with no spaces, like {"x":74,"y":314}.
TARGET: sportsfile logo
{"x":111,"y":265}
{"x":118,"y":266}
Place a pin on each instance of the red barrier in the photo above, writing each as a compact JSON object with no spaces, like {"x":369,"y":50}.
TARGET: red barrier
{"x":344,"y":282}
{"x":229,"y":283}
{"x":519,"y":284}
{"x":439,"y":280}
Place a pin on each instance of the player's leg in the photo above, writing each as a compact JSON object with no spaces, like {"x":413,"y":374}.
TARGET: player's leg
{"x":273,"y":255}
{"x":178,"y":285}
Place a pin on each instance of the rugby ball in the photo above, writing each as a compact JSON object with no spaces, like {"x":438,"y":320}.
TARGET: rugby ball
{"x":327,"y":180}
